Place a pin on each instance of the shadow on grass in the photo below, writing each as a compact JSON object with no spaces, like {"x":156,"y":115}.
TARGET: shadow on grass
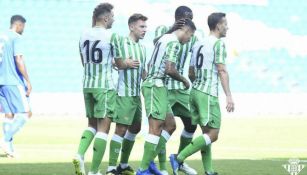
{"x":223,"y":167}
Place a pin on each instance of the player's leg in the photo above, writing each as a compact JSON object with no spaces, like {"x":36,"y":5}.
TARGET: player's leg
{"x":156,"y":107}
{"x":8,"y":118}
{"x":214,"y":123}
{"x":210,"y":126}
{"x":169,"y":127}
{"x":129,"y":139}
{"x":17,"y":102}
{"x":122,"y":120}
{"x":185,"y":139}
{"x":104,"y":111}
{"x":181,"y":108}
{"x":87,"y":135}
{"x":115,"y":147}
{"x":209,"y":136}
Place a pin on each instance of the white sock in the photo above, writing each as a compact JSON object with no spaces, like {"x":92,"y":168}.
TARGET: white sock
{"x":207,"y":139}
{"x":186,"y":134}
{"x":130,"y":136}
{"x":124,"y":165}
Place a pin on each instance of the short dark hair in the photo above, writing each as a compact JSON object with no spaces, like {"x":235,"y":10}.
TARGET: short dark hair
{"x":15,"y":18}
{"x":190,"y":23}
{"x":135,"y":17}
{"x":101,"y":9}
{"x":214,"y":19}
{"x":183,"y":12}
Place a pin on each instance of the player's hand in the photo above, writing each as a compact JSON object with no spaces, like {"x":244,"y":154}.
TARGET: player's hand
{"x":186,"y":83}
{"x":230,"y":104}
{"x":132,"y":63}
{"x":29,"y":114}
{"x":114,"y":65}
{"x":29,"y":89}
{"x":179,"y":23}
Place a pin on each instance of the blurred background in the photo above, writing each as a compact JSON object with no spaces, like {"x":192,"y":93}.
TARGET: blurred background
{"x":266,"y":45}
{"x":267,"y":60}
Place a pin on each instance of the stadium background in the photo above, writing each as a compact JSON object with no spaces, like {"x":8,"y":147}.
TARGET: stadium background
{"x":267,"y":58}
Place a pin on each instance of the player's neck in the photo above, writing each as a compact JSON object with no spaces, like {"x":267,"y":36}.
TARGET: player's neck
{"x":14,"y":29}
{"x":133,"y":37}
{"x":215,"y":34}
{"x":100,"y":24}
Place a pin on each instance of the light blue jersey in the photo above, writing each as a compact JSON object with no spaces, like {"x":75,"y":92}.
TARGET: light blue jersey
{"x":10,"y":46}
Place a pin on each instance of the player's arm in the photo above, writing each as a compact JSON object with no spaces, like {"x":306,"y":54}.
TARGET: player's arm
{"x":220,"y":55}
{"x":127,"y":63}
{"x":144,"y":72}
{"x":120,"y":61}
{"x":22,"y":69}
{"x":20,"y":64}
{"x":170,"y":69}
{"x":224,"y":77}
{"x":192,"y":73}
{"x":192,"y":76}
{"x":170,"y":64}
{"x":82,"y":60}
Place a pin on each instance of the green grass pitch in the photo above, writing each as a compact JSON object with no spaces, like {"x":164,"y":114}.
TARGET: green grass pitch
{"x":246,"y":146}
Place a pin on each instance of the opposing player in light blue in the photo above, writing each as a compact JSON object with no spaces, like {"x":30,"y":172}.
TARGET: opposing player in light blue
{"x":15,"y":86}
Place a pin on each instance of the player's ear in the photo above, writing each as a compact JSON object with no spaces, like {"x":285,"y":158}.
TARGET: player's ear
{"x":131,"y":27}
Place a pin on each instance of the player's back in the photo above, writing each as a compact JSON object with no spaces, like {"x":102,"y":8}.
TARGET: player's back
{"x":166,"y":48}
{"x":97,"y":52}
{"x":206,"y":54}
{"x":10,"y":46}
{"x":183,"y":61}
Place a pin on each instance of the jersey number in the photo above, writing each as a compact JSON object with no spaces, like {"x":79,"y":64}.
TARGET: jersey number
{"x":199,"y":58}
{"x":93,"y":54}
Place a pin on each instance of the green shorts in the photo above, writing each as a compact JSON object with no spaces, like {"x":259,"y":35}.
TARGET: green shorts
{"x":179,"y":102}
{"x":156,"y":102}
{"x":205,"y":109}
{"x":130,"y":110}
{"x":99,"y":103}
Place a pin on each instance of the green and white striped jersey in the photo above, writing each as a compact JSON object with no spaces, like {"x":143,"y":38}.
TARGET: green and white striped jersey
{"x":98,"y":47}
{"x":129,"y":80}
{"x":166,"y":49}
{"x":183,"y":59}
{"x":205,"y":56}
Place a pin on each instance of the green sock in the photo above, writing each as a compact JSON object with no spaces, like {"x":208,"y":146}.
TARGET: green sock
{"x":115,"y":146}
{"x":99,"y":149}
{"x":86,"y":139}
{"x":162,"y":157}
{"x":161,"y":149}
{"x":149,"y":150}
{"x":126,"y":150}
{"x":184,"y":141}
{"x":197,"y":144}
{"x":206,"y":157}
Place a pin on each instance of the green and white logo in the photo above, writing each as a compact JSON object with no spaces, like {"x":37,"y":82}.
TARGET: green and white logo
{"x":294,"y":167}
